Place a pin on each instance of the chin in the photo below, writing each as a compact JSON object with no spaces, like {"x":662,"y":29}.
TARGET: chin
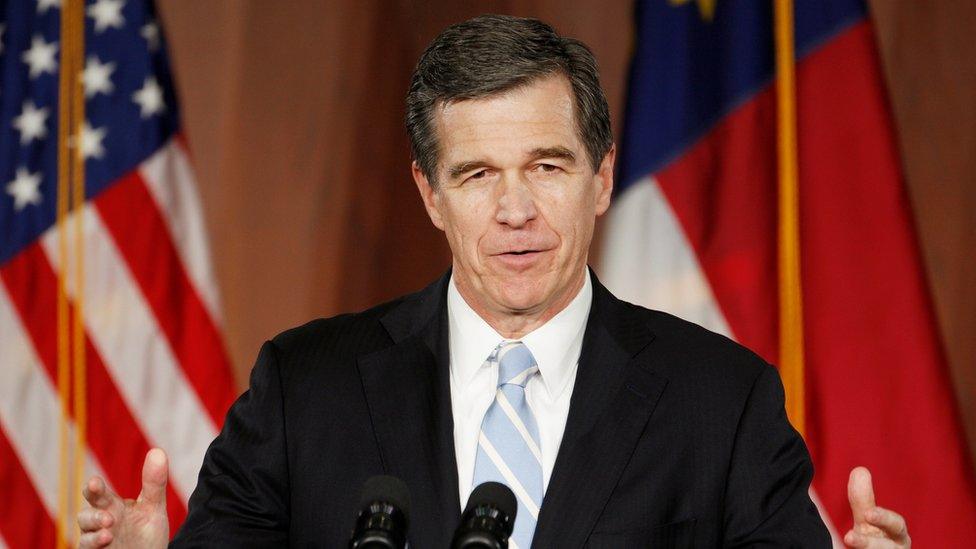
{"x":522,"y":299}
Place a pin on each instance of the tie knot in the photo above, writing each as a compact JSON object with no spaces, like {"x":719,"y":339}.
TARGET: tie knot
{"x":515,"y":363}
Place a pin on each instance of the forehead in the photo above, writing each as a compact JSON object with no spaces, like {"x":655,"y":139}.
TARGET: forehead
{"x":504,"y":126}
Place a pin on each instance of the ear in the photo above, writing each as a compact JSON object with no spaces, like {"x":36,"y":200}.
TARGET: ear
{"x":603,"y":181}
{"x":428,"y":195}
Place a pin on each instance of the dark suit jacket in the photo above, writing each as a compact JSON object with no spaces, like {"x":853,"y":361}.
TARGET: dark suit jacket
{"x":676,"y":437}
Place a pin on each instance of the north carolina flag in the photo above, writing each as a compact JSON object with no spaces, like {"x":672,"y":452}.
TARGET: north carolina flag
{"x":695,"y":228}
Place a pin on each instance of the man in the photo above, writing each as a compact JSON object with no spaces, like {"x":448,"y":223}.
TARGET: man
{"x":615,"y":426}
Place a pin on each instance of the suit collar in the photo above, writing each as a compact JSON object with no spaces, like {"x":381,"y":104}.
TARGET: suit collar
{"x":621,"y":320}
{"x":615,"y":394}
{"x":407,"y":389}
{"x":416,"y":313}
{"x":614,"y":335}
{"x":555,"y":345}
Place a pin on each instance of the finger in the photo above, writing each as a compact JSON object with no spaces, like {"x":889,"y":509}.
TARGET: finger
{"x":154,"y":476}
{"x":890,"y":522}
{"x":95,"y":540}
{"x":852,"y":539}
{"x":97,"y":494}
{"x":861,"y":541}
{"x":860,"y":493}
{"x":92,"y":520}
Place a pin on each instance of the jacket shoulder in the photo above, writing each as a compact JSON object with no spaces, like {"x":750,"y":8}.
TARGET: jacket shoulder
{"x":319,"y":330}
{"x":331,"y":344}
{"x":692,"y":350}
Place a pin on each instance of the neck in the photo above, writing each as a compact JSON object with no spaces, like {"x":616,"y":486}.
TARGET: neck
{"x":514,"y":324}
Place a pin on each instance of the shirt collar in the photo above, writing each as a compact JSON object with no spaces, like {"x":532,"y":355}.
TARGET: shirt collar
{"x":555,"y":345}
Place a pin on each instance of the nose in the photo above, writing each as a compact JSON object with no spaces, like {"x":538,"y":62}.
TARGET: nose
{"x":516,"y":204}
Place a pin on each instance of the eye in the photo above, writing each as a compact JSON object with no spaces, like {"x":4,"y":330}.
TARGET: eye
{"x":547,"y":168}
{"x":480,"y":174}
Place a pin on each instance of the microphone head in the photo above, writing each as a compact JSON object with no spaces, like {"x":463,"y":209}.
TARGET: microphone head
{"x":494,"y":494}
{"x":386,"y":489}
{"x":382,"y":521}
{"x":488,"y":519}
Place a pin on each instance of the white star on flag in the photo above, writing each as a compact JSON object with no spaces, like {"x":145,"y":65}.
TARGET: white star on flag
{"x":91,"y":141}
{"x":107,"y":14}
{"x":25,"y":188}
{"x":44,"y":5}
{"x":97,"y":77}
{"x":149,"y":98}
{"x":40,"y":56}
{"x":31,"y":123}
{"x":150,"y":31}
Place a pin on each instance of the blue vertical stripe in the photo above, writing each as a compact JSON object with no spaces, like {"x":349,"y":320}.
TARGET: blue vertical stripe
{"x":687,"y":72}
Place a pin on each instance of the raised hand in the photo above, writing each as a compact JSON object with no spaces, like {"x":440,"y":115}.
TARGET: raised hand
{"x":874,"y":527}
{"x":116,"y":522}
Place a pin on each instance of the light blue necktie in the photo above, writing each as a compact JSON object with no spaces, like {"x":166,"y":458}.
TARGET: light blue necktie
{"x":508,"y":444}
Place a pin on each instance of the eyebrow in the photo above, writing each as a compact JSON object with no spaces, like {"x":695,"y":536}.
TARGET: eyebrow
{"x":535,"y":154}
{"x":559,"y":152}
{"x":464,"y":167}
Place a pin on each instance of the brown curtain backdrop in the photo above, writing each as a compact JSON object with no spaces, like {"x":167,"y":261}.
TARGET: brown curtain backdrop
{"x":293,"y":111}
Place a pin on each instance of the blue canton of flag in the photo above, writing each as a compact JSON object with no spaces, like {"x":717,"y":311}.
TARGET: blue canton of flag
{"x":693,"y":66}
{"x":130,"y":106}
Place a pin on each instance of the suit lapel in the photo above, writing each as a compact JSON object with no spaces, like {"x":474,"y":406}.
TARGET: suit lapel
{"x":613,"y":398}
{"x":407,"y":388}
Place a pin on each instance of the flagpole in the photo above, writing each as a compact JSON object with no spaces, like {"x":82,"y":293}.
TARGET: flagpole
{"x":791,"y":356}
{"x":72,"y":388}
{"x":78,"y":179}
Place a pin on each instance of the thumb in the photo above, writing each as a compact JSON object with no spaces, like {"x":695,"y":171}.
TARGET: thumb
{"x":154,"y":475}
{"x":860,"y":493}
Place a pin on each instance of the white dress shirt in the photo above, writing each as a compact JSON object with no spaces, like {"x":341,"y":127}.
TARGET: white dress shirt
{"x":474,"y":380}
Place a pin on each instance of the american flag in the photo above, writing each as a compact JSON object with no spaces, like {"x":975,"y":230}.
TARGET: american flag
{"x":157,"y":372}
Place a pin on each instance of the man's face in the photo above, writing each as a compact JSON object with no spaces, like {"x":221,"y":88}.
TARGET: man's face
{"x":517,"y":198}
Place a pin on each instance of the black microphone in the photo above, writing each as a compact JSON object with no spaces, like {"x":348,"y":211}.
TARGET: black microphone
{"x":383,"y":516}
{"x":488,"y":520}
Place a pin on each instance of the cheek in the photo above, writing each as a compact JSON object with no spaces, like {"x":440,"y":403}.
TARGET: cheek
{"x":570,"y":215}
{"x":466,"y":224}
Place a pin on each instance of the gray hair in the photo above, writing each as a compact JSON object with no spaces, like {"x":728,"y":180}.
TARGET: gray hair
{"x":493,"y":54}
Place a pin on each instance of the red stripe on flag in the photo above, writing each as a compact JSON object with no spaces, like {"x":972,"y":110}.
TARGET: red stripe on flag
{"x":133,"y":218}
{"x":723,"y":190}
{"x":879,"y":386}
{"x":24,"y":522}
{"x":114,"y":435}
{"x":183,"y":143}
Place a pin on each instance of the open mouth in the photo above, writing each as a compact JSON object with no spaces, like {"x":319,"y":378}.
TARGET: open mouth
{"x":520,"y":259}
